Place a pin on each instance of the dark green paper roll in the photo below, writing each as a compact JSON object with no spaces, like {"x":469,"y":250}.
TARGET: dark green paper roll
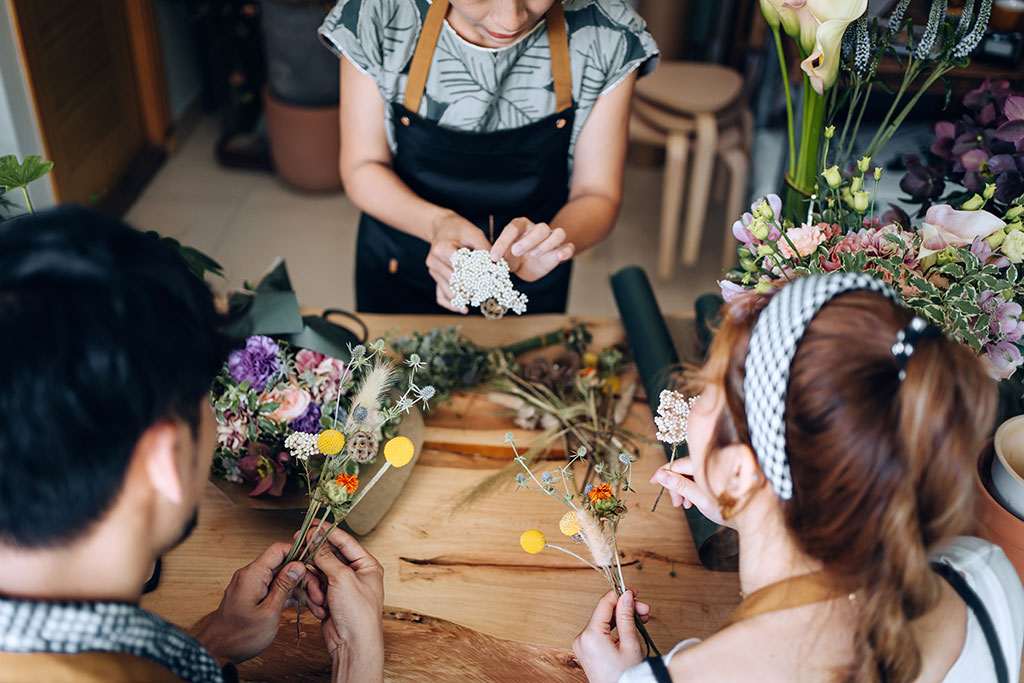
{"x":656,"y":356}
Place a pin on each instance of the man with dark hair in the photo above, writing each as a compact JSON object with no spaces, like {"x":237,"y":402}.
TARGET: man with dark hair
{"x":108,"y":347}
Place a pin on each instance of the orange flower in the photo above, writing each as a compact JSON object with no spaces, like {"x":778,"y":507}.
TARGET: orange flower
{"x":600,"y":492}
{"x":349,"y":481}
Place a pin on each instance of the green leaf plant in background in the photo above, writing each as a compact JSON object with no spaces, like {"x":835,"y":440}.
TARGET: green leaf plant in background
{"x":17,"y":175}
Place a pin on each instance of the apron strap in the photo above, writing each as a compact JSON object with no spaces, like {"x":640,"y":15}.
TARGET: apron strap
{"x":795,"y":591}
{"x":424,"y":54}
{"x":558,"y":41}
{"x":975,"y":604}
{"x":561,"y":68}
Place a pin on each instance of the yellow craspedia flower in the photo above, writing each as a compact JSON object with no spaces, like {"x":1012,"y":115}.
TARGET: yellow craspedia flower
{"x":399,"y":451}
{"x":569,"y":525}
{"x":533,"y":541}
{"x":330,"y":441}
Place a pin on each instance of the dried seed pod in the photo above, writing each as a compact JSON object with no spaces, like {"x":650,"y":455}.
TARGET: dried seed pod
{"x":492,"y":310}
{"x":362,"y":447}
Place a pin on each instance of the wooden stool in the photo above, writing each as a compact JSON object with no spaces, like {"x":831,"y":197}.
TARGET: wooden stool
{"x":681,"y":101}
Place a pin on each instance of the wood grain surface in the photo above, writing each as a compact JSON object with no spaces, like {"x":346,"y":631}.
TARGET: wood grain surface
{"x":466,"y":603}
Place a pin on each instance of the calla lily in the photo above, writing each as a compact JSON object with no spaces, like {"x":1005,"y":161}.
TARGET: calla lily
{"x":822,"y":25}
{"x":782,"y":12}
{"x":944,"y":226}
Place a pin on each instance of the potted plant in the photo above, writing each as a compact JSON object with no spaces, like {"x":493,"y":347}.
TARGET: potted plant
{"x":301,"y":94}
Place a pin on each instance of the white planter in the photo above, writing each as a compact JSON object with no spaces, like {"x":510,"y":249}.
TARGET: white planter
{"x":1008,"y":465}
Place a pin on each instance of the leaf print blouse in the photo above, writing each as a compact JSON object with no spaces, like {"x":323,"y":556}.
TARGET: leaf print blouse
{"x":477,"y":89}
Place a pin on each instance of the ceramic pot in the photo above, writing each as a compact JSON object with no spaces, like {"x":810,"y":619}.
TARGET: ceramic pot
{"x":1007,"y":465}
{"x":304,"y":143}
{"x":993,"y":522}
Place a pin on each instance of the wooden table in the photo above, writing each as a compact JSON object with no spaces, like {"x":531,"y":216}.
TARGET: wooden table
{"x":465,"y":603}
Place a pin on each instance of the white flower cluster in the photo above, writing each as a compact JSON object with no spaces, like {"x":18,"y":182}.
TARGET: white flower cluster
{"x":476,"y":279}
{"x":673,"y":416}
{"x":301,"y":445}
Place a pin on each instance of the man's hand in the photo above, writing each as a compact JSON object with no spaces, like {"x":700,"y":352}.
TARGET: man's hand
{"x":603,"y":656}
{"x":451,"y":232}
{"x":353,"y":630}
{"x":531,"y":249}
{"x":249,"y":615}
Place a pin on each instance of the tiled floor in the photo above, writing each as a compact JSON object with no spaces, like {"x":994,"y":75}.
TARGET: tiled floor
{"x":247,"y":219}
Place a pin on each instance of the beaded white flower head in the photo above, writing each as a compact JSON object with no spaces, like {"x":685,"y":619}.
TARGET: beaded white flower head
{"x":673,"y":416}
{"x":478,"y":281}
{"x":301,"y":445}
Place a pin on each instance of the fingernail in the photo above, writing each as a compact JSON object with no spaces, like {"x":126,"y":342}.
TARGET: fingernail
{"x":295,"y":573}
{"x":517,"y":250}
{"x":627,"y":599}
{"x":661,"y":477}
{"x":291,"y":602}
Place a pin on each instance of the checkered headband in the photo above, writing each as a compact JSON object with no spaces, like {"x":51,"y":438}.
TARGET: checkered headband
{"x":773,"y":343}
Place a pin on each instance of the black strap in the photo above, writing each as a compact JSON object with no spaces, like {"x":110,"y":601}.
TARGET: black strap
{"x":968,"y":595}
{"x":659,"y":669}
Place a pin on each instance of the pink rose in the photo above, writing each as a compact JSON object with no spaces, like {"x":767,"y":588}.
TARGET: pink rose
{"x":293,"y":400}
{"x":306,"y":360}
{"x":806,"y":239}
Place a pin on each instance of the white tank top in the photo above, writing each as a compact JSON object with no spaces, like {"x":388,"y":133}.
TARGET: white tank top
{"x":987,"y":571}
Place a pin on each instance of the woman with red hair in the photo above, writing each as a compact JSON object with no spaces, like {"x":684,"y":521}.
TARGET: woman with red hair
{"x":837,"y":433}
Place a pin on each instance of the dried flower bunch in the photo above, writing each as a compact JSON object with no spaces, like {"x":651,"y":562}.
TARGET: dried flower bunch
{"x":478,"y":281}
{"x":582,"y":399}
{"x":330,"y":459}
{"x":592,"y":519}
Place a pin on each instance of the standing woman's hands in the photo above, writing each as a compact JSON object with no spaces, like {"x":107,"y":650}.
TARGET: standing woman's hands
{"x":450,"y":233}
{"x":532,"y":249}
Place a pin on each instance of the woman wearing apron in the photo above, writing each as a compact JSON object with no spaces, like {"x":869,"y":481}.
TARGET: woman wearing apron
{"x":488,"y":124}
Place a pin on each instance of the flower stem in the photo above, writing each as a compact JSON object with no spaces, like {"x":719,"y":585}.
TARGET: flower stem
{"x":671,"y":460}
{"x":789,"y":100}
{"x":28,"y":200}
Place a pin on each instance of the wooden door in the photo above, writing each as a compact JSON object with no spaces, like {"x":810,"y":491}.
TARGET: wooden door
{"x":79,"y":59}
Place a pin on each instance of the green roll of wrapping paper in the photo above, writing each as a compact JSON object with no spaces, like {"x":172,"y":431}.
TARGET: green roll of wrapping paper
{"x":656,"y":356}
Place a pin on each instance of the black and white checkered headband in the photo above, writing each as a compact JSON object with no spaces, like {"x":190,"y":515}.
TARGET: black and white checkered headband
{"x":773,"y":343}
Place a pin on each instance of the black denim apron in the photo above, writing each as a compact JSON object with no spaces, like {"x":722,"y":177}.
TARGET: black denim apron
{"x":503,"y":174}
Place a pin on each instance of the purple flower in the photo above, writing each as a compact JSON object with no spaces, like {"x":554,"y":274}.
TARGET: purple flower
{"x":310,"y":420}
{"x":256,"y":363}
{"x":1004,"y":359}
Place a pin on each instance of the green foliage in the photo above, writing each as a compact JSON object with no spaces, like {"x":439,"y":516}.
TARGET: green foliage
{"x":15,"y":175}
{"x":198,"y":262}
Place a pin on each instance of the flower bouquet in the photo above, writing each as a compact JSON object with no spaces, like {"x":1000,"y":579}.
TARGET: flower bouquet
{"x":330,"y":460}
{"x":592,"y":519}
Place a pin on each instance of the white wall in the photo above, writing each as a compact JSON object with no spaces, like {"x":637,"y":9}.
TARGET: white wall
{"x":19,"y":132}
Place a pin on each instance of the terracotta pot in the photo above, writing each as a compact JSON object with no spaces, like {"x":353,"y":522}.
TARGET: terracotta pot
{"x":304,"y":143}
{"x":993,"y":522}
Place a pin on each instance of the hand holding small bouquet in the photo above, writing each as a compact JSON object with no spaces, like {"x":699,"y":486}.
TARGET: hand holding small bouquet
{"x":592,"y":519}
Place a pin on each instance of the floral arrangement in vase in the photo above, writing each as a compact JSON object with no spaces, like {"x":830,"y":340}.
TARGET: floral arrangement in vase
{"x":840,"y":51}
{"x":592,"y":518}
{"x":960,"y":267}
